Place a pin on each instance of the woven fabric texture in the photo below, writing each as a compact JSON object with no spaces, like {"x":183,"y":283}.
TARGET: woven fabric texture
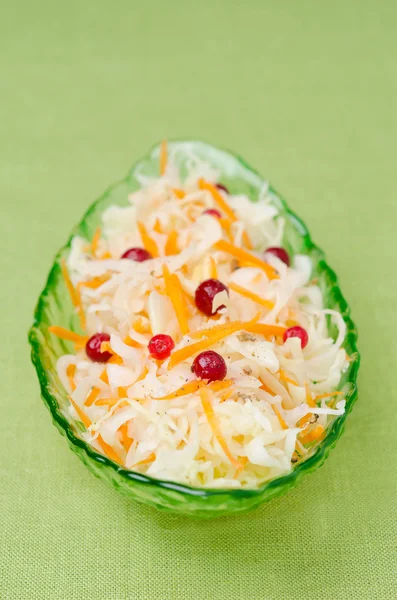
{"x":305,"y":92}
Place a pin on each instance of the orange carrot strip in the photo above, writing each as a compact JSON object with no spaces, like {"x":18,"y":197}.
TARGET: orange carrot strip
{"x":171,"y":246}
{"x":226,"y":395}
{"x":94,"y":283}
{"x":312,"y":435}
{"x":175,"y":293}
{"x":266,"y":330}
{"x":227,"y":227}
{"x":157,"y":226}
{"x":248,"y":294}
{"x":132,"y":343}
{"x":70,"y":336}
{"x":92,"y":396}
{"x":95,"y":242}
{"x":183,"y":353}
{"x":122,"y":392}
{"x":213,"y":269}
{"x":87,"y":422}
{"x":110,"y":402}
{"x":145,"y":461}
{"x":279,"y":416}
{"x":247,"y":240}
{"x":140,"y":326}
{"x":70,"y":371}
{"x":235,"y":325}
{"x":265,"y":387}
{"x":330,"y":395}
{"x":285,"y":377}
{"x":148,"y":243}
{"x":125,"y":439}
{"x":178,"y":193}
{"x":105,"y":255}
{"x":218,"y":198}
{"x":74,"y":294}
{"x":184,"y":390}
{"x":163,"y":157}
{"x":309,"y":397}
{"x":212,"y":420}
{"x":244,"y":255}
{"x":243,"y":462}
{"x":217,"y":386}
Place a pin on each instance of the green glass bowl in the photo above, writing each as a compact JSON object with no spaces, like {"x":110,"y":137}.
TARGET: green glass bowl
{"x":54,"y":307}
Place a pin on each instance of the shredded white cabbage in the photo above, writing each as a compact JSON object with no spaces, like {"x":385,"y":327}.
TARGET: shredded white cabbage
{"x":276,"y":394}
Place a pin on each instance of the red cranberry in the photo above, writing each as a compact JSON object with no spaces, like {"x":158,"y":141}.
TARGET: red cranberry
{"x":222,"y":187}
{"x":213,"y":212}
{"x":206,"y":292}
{"x":298,"y":332}
{"x":160,"y":346}
{"x":93,"y":347}
{"x":137,"y":254}
{"x":209,"y":365}
{"x":280,"y":253}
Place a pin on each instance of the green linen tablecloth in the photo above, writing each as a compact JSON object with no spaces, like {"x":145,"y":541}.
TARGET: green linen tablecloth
{"x":306,"y":92}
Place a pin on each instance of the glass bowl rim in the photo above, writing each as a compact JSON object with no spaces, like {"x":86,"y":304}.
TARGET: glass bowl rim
{"x":287,"y":480}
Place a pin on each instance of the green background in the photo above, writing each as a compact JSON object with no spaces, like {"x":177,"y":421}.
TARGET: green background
{"x":306,"y":92}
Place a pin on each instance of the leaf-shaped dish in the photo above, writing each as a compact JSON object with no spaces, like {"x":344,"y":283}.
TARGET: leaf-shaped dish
{"x":54,"y":306}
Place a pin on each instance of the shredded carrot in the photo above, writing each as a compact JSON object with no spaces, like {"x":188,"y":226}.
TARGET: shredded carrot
{"x":194,"y":386}
{"x":312,"y":435}
{"x":184,"y":390}
{"x":265,"y":387}
{"x":178,"y":193}
{"x":110,"y":402}
{"x":115,"y":360}
{"x":225,"y":396}
{"x":279,"y":416}
{"x":94,"y":283}
{"x":104,"y":376}
{"x":157,"y":226}
{"x":148,"y":243}
{"x":217,"y":196}
{"x":122,"y":392}
{"x":70,"y":372}
{"x":330,"y":395}
{"x":145,"y":461}
{"x":285,"y":377}
{"x":213,"y":269}
{"x":265,"y":330}
{"x":183,"y":353}
{"x":105,"y":255}
{"x":235,"y":325}
{"x":125,"y":438}
{"x":70,"y":336}
{"x":175,"y":293}
{"x":305,"y":420}
{"x":243,"y":462}
{"x":248,"y":294}
{"x":246,"y":256}
{"x":227,"y":227}
{"x":92,"y":396}
{"x":309,"y":397}
{"x":130,"y":342}
{"x":217,"y":386}
{"x":163,"y":157}
{"x":95,"y":242}
{"x":212,"y":420}
{"x":140,"y":326}
{"x":247,"y":240}
{"x":143,"y":374}
{"x":74,"y":294}
{"x":171,"y":246}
